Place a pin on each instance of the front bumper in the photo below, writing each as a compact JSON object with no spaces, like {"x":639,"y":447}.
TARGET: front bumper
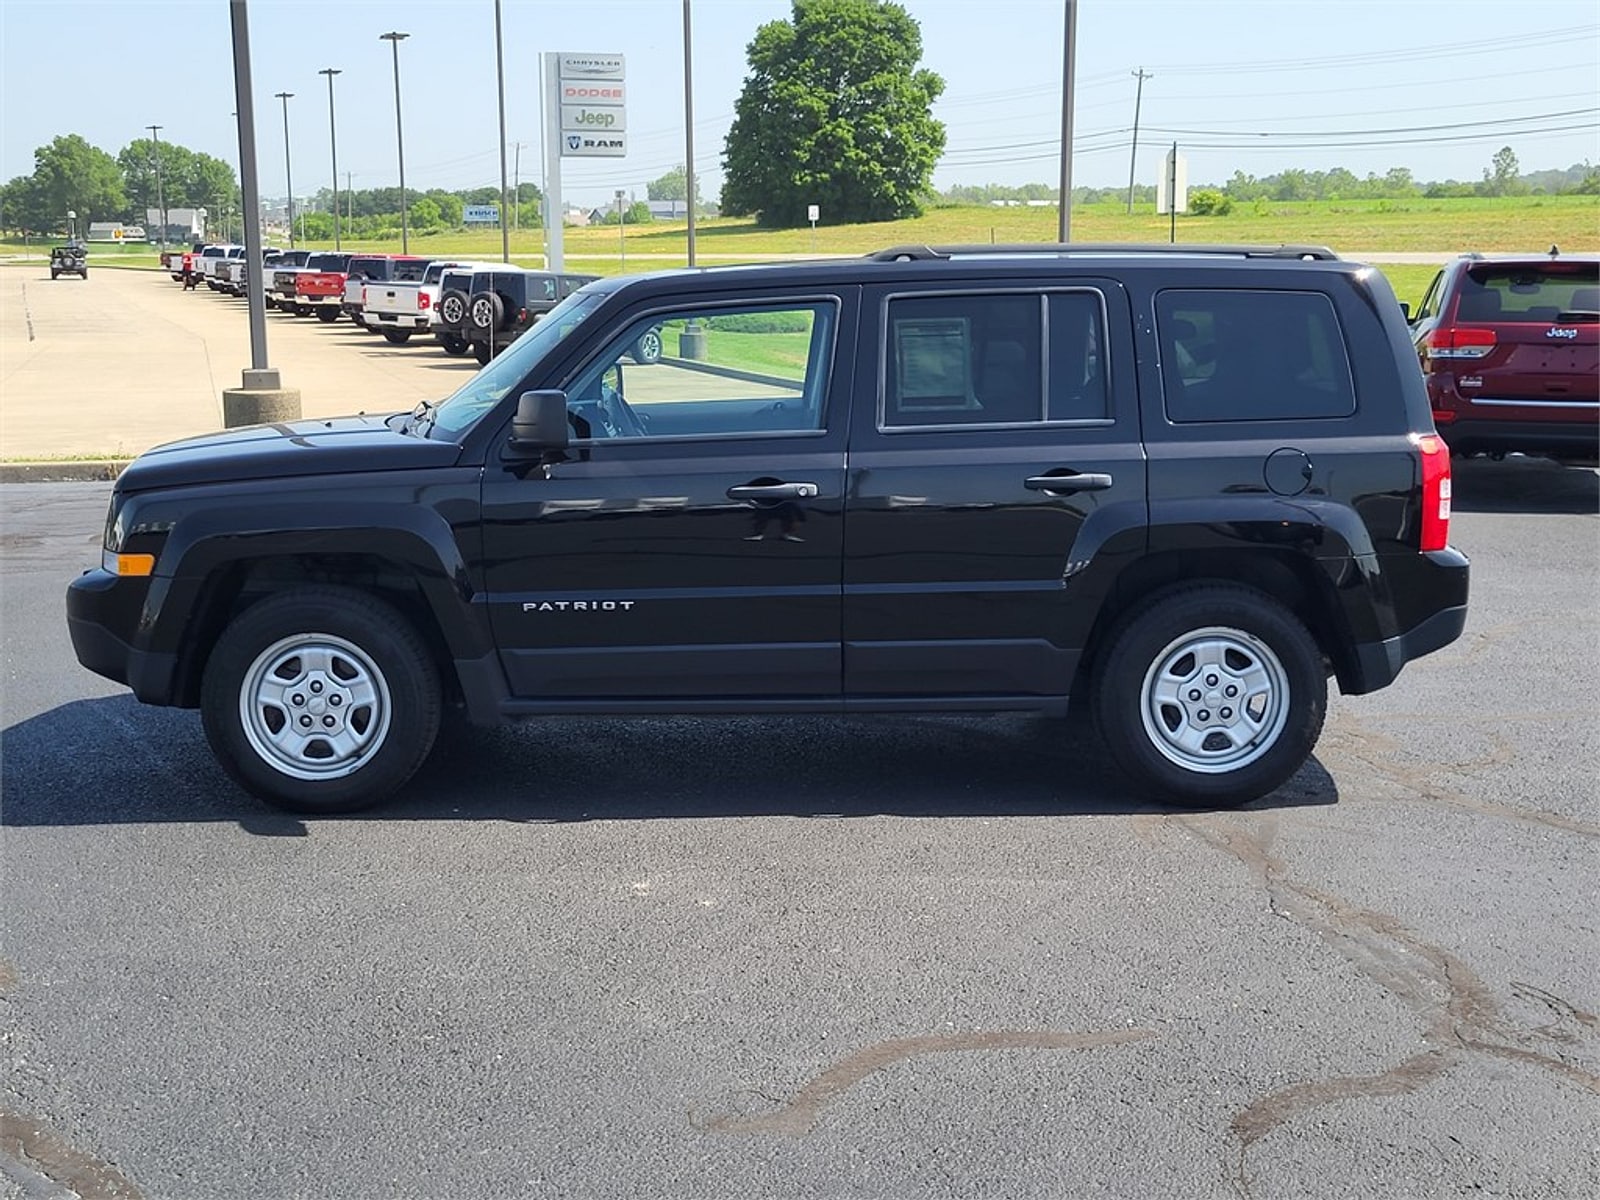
{"x":104,"y":612}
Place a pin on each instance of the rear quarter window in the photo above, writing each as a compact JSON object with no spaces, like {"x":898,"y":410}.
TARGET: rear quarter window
{"x":1236,"y":355}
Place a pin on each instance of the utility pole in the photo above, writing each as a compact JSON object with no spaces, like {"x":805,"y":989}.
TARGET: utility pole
{"x":1141,"y":75}
{"x":1069,"y":47}
{"x":161,"y":203}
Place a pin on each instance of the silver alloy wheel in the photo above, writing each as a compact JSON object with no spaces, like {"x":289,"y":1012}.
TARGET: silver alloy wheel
{"x":482,"y":312}
{"x":314,"y":706}
{"x":1214,"y":700}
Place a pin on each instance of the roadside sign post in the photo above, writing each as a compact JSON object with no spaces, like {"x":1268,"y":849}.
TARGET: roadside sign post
{"x":1172,"y":190}
{"x":813,"y":212}
{"x":585,"y":117}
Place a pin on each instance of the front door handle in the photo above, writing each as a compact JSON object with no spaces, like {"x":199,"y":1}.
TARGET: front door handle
{"x":1066,"y":485}
{"x":773,"y":491}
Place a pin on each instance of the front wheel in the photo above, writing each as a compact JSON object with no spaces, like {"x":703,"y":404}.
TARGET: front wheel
{"x":320,"y":700}
{"x":1210,"y":695}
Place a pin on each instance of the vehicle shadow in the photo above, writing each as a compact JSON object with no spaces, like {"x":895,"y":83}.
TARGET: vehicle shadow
{"x":115,"y":761}
{"x":1522,"y":485}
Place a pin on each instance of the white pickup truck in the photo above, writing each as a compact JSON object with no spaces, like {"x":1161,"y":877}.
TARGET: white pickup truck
{"x":213,"y":257}
{"x":398,"y":308}
{"x":376,"y":268}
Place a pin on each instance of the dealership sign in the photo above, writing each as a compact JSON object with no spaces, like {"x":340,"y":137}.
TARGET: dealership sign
{"x":481,"y":214}
{"x":593,"y":96}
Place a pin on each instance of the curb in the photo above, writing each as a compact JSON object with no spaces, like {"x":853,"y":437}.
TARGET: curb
{"x":101,"y":470}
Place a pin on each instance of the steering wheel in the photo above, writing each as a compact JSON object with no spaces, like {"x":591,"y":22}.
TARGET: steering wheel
{"x":605,"y":414}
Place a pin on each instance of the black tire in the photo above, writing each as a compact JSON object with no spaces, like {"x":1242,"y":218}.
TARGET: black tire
{"x":453,"y":308}
{"x":303,"y":310}
{"x":54,"y":274}
{"x":360,"y":639}
{"x":487,"y":311}
{"x":397,"y":337}
{"x":647,"y":349}
{"x":452,"y":343}
{"x":480,"y":351}
{"x":1258,"y":647}
{"x":327,"y":315}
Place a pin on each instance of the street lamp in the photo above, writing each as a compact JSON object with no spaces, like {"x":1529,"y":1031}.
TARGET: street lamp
{"x":161,"y":203}
{"x":288,"y":175}
{"x":333,"y":141}
{"x":622,"y":237}
{"x":394,"y":40}
{"x":72,"y":226}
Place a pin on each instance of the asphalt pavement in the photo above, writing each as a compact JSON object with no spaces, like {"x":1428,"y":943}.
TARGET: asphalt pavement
{"x":887,"y":957}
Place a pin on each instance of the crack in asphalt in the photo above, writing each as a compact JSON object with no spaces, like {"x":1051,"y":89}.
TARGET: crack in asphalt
{"x":800,"y":1113}
{"x":37,"y":1148}
{"x":1463,"y":1016}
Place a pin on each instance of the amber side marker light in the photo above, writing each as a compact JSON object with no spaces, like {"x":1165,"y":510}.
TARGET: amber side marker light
{"x":128,"y":564}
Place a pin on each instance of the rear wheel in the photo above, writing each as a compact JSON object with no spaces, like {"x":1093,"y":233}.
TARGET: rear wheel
{"x":480,"y":351}
{"x":320,"y":700}
{"x":453,"y":307}
{"x":1210,"y":695}
{"x":452,"y":343}
{"x":397,"y":337}
{"x":327,"y":315}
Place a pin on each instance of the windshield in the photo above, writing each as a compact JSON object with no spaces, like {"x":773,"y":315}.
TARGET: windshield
{"x":490,"y":385}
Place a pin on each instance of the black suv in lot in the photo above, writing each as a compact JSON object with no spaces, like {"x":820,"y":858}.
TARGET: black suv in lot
{"x":488,"y":309}
{"x":1174,"y":490}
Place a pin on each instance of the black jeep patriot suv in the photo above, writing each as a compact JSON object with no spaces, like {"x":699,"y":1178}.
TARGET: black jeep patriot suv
{"x":1174,"y":489}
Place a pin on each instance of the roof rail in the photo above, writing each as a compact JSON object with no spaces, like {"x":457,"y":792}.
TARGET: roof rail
{"x":923,"y":253}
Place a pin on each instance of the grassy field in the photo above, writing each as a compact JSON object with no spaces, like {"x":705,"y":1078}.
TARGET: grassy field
{"x":1353,"y":228}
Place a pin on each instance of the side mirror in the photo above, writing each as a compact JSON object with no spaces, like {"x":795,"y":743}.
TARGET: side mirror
{"x":1405,"y":311}
{"x":540,"y":422}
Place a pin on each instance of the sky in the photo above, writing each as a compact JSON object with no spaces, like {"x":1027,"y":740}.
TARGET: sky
{"x":1254,"y":85}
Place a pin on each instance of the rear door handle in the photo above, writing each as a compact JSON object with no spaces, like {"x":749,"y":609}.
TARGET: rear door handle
{"x":773,"y":491}
{"x":1066,"y":485}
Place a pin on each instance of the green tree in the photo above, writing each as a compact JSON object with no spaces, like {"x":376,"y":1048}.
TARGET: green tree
{"x":70,"y":174}
{"x":836,"y":113}
{"x":23,"y":206}
{"x":1502,"y":176}
{"x":674,"y":185}
{"x":424,"y":214}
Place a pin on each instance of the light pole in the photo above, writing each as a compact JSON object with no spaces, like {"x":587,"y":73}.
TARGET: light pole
{"x":688,"y":122}
{"x":622,"y":237}
{"x":500,"y":80}
{"x":1069,"y":51}
{"x":1141,"y":75}
{"x":394,"y":40}
{"x":333,"y":141}
{"x":72,"y":225}
{"x":288,"y":174}
{"x":161,"y":204}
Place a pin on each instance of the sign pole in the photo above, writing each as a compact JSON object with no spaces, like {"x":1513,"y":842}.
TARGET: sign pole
{"x":552,"y":161}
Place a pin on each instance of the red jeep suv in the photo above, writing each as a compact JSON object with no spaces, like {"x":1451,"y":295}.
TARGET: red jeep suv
{"x":1510,"y":347}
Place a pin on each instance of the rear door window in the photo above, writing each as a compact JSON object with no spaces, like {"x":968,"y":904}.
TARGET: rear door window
{"x":1234,"y":355}
{"x":1539,"y":293}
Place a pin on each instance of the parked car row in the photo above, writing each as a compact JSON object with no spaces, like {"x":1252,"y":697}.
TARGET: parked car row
{"x":468,"y":307}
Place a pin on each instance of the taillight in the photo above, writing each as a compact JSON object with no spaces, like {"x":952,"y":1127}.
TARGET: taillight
{"x":1435,"y":490}
{"x":424,"y":301}
{"x":1451,"y":341}
{"x":363,"y":295}
{"x":522,"y":316}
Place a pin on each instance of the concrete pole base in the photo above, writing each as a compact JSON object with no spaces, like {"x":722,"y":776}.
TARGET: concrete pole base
{"x":263,"y":400}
